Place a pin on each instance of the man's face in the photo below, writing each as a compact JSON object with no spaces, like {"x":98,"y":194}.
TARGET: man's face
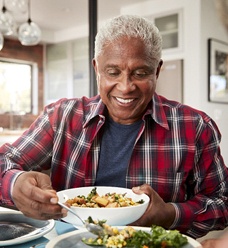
{"x":126,"y":79}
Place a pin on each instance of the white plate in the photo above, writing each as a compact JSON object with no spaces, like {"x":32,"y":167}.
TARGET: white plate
{"x":14,"y":217}
{"x":73,"y":239}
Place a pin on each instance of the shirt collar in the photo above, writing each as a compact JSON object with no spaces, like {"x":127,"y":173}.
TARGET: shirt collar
{"x":155,"y":110}
{"x":97,"y":109}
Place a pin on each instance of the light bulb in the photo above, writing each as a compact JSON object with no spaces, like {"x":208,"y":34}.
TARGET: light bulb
{"x":29,"y":33}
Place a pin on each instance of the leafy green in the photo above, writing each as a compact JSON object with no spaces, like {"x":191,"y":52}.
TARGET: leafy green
{"x":99,"y":222}
{"x":139,"y":239}
{"x":91,"y":242}
{"x":140,"y":201}
{"x":162,"y":238}
{"x":92,"y":193}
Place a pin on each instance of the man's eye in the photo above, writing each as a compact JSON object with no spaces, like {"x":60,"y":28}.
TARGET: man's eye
{"x":113,"y":73}
{"x":140,"y":73}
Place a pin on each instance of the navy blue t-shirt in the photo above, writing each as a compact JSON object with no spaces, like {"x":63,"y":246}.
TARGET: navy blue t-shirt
{"x":116,"y":149}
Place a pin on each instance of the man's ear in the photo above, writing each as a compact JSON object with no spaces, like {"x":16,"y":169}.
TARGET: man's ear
{"x":159,"y":68}
{"x":94,"y":63}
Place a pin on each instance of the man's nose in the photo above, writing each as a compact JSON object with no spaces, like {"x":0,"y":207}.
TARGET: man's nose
{"x":126,"y":84}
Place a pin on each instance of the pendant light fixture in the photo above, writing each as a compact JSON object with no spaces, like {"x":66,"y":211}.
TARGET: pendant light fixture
{"x":29,"y":33}
{"x":7,"y":22}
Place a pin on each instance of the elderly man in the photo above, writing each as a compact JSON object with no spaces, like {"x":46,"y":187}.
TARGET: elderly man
{"x":126,"y":136}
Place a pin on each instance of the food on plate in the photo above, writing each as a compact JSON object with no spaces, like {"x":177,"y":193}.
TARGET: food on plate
{"x":109,"y":200}
{"x":158,"y":237}
{"x":14,"y":230}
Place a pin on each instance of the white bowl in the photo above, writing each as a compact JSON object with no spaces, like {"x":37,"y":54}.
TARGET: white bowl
{"x":119,"y":216}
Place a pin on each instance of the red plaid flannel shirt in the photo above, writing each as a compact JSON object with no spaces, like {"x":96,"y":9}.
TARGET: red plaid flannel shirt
{"x":177,"y":152}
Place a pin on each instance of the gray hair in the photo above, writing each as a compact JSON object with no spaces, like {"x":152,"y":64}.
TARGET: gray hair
{"x":131,"y":26}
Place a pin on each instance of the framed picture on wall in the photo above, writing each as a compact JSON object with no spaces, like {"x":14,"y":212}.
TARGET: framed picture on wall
{"x":217,"y":71}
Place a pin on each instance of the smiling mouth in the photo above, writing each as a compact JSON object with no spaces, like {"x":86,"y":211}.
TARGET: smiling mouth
{"x":124,"y":101}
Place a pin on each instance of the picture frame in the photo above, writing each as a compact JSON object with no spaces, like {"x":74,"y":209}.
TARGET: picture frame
{"x":217,"y":71}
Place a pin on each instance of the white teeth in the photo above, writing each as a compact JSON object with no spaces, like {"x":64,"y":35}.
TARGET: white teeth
{"x":124,"y":100}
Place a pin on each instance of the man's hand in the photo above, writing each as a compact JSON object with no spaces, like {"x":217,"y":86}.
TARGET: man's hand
{"x":34,"y":196}
{"x":158,"y":212}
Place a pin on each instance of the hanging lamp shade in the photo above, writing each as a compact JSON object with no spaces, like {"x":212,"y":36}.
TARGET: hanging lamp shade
{"x":29,"y":33}
{"x":7,"y":23}
{"x":1,"y":41}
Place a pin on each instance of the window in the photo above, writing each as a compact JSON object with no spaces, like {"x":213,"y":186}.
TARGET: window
{"x":16,"y":87}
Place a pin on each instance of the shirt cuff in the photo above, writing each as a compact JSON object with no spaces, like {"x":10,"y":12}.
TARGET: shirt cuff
{"x":13,"y":181}
{"x":7,"y":186}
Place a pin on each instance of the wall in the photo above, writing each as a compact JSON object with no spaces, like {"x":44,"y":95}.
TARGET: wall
{"x":199,"y":23}
{"x":14,"y":50}
{"x":211,"y":28}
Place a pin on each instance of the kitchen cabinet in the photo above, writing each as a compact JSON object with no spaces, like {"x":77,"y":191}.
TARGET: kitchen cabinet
{"x":170,"y":28}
